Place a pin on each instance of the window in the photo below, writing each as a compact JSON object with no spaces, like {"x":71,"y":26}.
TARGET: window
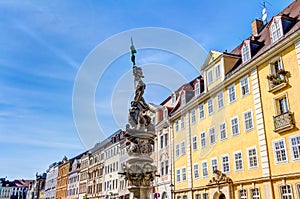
{"x":238,"y":161}
{"x":231,"y":93}
{"x":286,"y":192}
{"x":162,"y":167}
{"x":165,"y":113}
{"x":276,"y":29}
{"x":183,"y":170}
{"x":193,"y":116}
{"x":203,"y":139}
{"x":248,"y":122}
{"x":255,"y":193}
{"x":210,"y":106}
{"x":214,"y":164}
{"x":279,"y":151}
{"x":177,"y":150}
{"x":235,"y":130}
{"x":167,"y":167}
{"x":212,"y":135}
{"x":210,"y":76}
{"x":197,"y":89}
{"x":195,"y":145}
{"x":242,"y":194}
{"x":282,"y":105}
{"x":276,"y":65}
{"x":196,"y":171}
{"x":295,"y":147}
{"x":220,"y":98}
{"x":252,"y":158}
{"x":183,"y":100}
{"x":245,"y":86}
{"x":184,"y":197}
{"x":205,"y":195}
{"x":225,"y":164}
{"x":198,"y":196}
{"x":246,"y":51}
{"x":182,"y":122}
{"x":161,"y":141}
{"x":182,"y":148}
{"x":173,"y":98}
{"x":204,"y":169}
{"x":176,"y":126}
{"x":178,"y":175}
{"x":201,"y":111}
{"x":223,"y":134}
{"x":166,"y":139}
{"x":217,"y":71}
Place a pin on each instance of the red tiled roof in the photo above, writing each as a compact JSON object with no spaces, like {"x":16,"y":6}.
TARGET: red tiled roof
{"x":264,"y":37}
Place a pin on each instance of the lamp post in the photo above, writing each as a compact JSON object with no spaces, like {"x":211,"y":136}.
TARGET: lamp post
{"x":172,"y":191}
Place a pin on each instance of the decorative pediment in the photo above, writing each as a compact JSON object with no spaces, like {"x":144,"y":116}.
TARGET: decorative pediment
{"x":219,"y":178}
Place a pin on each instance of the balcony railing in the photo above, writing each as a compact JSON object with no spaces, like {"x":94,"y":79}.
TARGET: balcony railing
{"x":283,"y":122}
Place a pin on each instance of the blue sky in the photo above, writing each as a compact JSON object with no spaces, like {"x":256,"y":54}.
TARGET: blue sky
{"x":44,"y":43}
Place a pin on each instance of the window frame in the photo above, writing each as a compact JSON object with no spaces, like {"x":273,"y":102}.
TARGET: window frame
{"x":286,"y":194}
{"x":178,"y":175}
{"x":213,"y":165}
{"x":182,"y":148}
{"x":238,"y":126}
{"x":197,"y":88}
{"x":251,"y":119}
{"x":223,"y":156}
{"x":201,"y":110}
{"x":222,"y":101}
{"x":277,"y":105}
{"x":212,"y":131}
{"x":194,"y":169}
{"x":204,"y":169}
{"x":240,"y":161}
{"x":203,"y":144}
{"x":177,"y":150}
{"x":193,"y":116}
{"x":276,"y":30}
{"x":230,"y":101}
{"x":182,"y":122}
{"x":246,"y":51}
{"x":221,"y":130}
{"x":292,"y":147}
{"x":249,"y":160}
{"x":247,"y":85}
{"x":195,"y":143}
{"x":183,"y":174}
{"x":275,"y":154}
{"x":210,"y":106}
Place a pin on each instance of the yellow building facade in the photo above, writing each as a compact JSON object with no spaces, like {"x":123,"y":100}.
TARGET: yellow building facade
{"x":238,"y":136}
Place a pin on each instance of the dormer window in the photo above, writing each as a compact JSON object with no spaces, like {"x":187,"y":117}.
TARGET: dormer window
{"x":165,"y":113}
{"x":276,"y":29}
{"x":173,"y":98}
{"x":197,"y":88}
{"x":183,"y":100}
{"x":246,"y":51}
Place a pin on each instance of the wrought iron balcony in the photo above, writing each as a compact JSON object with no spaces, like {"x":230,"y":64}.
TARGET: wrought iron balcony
{"x":283,"y":122}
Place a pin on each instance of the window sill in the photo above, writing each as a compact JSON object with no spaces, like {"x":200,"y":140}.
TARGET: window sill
{"x":277,"y":87}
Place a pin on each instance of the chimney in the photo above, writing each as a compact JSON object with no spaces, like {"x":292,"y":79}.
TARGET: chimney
{"x":256,"y":26}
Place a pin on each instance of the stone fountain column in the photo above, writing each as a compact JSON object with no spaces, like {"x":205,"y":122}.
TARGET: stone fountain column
{"x":139,"y":169}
